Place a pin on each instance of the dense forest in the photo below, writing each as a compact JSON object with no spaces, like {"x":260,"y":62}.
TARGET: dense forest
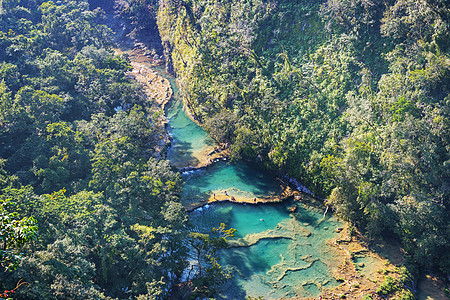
{"x":351,"y":97}
{"x":81,"y":190}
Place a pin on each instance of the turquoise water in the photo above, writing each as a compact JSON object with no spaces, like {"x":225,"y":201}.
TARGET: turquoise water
{"x":240,"y":180}
{"x":274,"y":253}
{"x":189,"y":139}
{"x":248,"y":218}
{"x":287,"y":253}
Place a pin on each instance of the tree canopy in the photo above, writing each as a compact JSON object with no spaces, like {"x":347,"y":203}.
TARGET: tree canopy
{"x":86,"y":210}
{"x":349,"y":97}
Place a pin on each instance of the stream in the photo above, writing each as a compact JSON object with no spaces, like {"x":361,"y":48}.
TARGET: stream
{"x":274,"y":253}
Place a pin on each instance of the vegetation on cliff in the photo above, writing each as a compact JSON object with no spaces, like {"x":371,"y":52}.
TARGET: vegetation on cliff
{"x":350,"y":97}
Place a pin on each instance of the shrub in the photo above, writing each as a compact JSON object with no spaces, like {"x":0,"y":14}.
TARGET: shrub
{"x":388,"y":286}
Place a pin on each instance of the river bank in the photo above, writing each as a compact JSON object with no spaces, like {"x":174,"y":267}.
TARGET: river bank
{"x":359,"y":270}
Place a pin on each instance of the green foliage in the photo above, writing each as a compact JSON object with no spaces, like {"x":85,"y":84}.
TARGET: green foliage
{"x":55,"y":71}
{"x":349,"y":97}
{"x":388,"y":286}
{"x":14,"y":234}
{"x":15,"y":231}
{"x":406,"y":295}
{"x":77,"y":150}
{"x":209,"y":275}
{"x":142,"y":13}
{"x":447,"y":292}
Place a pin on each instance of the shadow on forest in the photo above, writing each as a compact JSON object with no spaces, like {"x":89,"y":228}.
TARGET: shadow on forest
{"x":181,"y":156}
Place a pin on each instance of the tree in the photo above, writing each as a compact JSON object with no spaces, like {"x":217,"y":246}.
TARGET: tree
{"x":69,"y":164}
{"x":40,"y":107}
{"x":209,"y":275}
{"x":14,"y":234}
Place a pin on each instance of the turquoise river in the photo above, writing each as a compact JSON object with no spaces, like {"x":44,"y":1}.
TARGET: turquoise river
{"x":275,"y":253}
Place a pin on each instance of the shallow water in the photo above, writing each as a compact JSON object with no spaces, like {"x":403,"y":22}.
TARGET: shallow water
{"x":189,"y":139}
{"x":274,"y":253}
{"x":288,"y":255}
{"x":246,"y":218}
{"x":240,"y":180}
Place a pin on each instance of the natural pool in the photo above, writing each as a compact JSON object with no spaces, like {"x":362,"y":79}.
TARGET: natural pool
{"x":190,"y":141}
{"x":240,"y":180}
{"x":275,"y":253}
{"x":267,"y":257}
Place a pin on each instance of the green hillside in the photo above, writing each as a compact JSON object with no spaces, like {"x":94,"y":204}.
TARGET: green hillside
{"x":349,"y":97}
